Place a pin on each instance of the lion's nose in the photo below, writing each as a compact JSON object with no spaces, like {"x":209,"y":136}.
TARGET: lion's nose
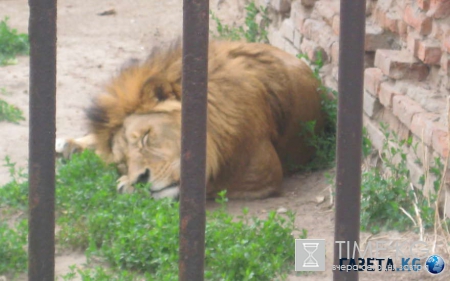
{"x":144,"y":177}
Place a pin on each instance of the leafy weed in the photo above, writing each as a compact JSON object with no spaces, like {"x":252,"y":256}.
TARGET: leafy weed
{"x":253,"y":31}
{"x":12,"y":43}
{"x":10,"y":113}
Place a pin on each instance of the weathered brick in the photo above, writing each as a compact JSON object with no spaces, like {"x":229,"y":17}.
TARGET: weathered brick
{"x":400,"y":65}
{"x":370,"y":7}
{"x":445,"y":64}
{"x":299,"y":14}
{"x":372,"y":80}
{"x":439,"y":8}
{"x":423,"y":4}
{"x":289,"y":48}
{"x":297,"y":39}
{"x":281,"y":6}
{"x":387,"y":19}
{"x":447,"y":42}
{"x":326,"y":38}
{"x":429,"y":52}
{"x":386,"y":116}
{"x":418,"y":20}
{"x":412,"y":42}
{"x":308,"y":3}
{"x":405,"y":108}
{"x":336,"y":25}
{"x":387,"y":91}
{"x":423,"y":124}
{"x":330,"y":82}
{"x":335,"y":53}
{"x":311,"y":49}
{"x":440,"y":142}
{"x":374,"y":132}
{"x":312,"y":28}
{"x":429,"y":98}
{"x":369,"y":58}
{"x":376,"y":38}
{"x":402,"y":29}
{"x":276,"y":39}
{"x":327,"y":10}
{"x":320,"y":33}
{"x":334,"y":72}
{"x":287,"y":30}
{"x":439,"y":31}
{"x":371,"y":104}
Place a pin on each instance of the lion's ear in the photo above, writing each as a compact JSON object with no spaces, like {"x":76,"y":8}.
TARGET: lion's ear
{"x":157,"y":88}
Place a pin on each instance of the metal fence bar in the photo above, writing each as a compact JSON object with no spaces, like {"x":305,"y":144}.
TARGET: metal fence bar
{"x":41,"y":246}
{"x":193,"y":142}
{"x":349,"y":133}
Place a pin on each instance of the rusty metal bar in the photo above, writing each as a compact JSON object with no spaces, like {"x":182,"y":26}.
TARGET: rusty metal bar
{"x":349,"y":133}
{"x":41,"y":245}
{"x":193,"y":141}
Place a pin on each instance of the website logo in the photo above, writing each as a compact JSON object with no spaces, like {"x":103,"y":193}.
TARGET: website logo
{"x":309,"y":255}
{"x":435,"y":264}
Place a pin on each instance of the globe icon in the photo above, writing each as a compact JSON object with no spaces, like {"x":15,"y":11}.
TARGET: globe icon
{"x":435,"y":264}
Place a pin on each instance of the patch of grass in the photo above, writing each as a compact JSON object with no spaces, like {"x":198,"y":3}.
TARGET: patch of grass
{"x":10,"y":113}
{"x":137,"y":237}
{"x":12,"y":43}
{"x":252,"y":32}
{"x":389,"y":200}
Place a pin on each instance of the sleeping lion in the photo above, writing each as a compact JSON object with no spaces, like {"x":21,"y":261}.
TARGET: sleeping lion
{"x":258,"y":95}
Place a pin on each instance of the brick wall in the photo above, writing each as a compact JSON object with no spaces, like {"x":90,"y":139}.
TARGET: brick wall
{"x":407,"y":60}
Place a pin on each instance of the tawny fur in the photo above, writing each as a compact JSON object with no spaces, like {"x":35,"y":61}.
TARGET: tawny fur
{"x":258,"y":96}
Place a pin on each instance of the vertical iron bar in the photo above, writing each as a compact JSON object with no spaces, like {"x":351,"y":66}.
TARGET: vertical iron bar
{"x":349,"y":133}
{"x":41,"y":169}
{"x":193,"y":141}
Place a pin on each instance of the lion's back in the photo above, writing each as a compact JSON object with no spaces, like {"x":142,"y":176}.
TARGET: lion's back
{"x":258,"y":91}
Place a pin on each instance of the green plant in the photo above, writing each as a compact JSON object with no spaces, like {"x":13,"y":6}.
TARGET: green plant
{"x":12,"y":43}
{"x":12,"y":250}
{"x":10,"y":113}
{"x":253,"y":32}
{"x":367,"y":147}
{"x":138,"y":236}
{"x":15,"y":193}
{"x":389,"y":200}
{"x":323,"y":143}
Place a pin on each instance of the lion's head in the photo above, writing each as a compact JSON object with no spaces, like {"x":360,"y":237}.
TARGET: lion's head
{"x":147,"y":150}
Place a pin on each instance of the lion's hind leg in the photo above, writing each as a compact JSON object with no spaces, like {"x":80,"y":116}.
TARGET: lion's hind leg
{"x":262,"y":177}
{"x":66,"y":147}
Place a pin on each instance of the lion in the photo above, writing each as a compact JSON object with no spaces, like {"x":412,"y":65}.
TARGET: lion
{"x":258,"y":96}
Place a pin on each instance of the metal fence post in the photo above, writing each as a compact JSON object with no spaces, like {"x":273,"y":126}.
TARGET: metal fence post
{"x":193,"y":142}
{"x":349,"y":133}
{"x":41,"y":246}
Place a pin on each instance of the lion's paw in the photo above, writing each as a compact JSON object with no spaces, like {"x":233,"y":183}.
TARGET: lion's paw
{"x":65,"y":148}
{"x":124,"y":185}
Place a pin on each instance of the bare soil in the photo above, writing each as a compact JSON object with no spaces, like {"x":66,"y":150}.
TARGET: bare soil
{"x":91,"y":47}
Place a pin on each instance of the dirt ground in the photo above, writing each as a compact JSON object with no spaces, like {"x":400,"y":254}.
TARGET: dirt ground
{"x":91,"y":48}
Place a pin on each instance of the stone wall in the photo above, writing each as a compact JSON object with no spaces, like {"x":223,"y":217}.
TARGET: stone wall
{"x":407,"y":61}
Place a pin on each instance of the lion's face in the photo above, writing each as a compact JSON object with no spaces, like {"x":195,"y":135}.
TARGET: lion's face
{"x":147,"y":150}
